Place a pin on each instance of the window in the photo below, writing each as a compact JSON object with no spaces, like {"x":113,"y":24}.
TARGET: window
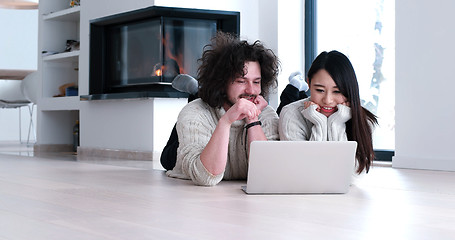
{"x":364,"y":30}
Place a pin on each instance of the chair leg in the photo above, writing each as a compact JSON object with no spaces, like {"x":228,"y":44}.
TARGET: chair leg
{"x":30,"y":125}
{"x":20,"y":125}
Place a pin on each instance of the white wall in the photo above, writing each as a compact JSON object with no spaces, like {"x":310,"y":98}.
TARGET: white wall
{"x":291,"y":41}
{"x":268,"y":34}
{"x":19,"y":41}
{"x":425,"y":106}
{"x":18,"y":50}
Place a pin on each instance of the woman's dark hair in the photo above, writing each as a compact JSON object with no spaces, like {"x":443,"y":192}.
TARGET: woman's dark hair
{"x":359,"y":127}
{"x":224,"y":60}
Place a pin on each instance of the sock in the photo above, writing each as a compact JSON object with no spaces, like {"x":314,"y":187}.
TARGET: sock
{"x":297,"y":80}
{"x":185,"y":83}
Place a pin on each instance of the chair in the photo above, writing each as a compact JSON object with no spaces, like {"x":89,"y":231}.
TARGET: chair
{"x":29,"y":88}
{"x":17,"y":94}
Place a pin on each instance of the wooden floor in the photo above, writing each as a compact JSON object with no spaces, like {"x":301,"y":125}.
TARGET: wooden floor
{"x":62,"y":197}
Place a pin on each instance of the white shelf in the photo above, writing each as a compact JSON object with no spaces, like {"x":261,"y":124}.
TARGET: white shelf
{"x":65,"y":56}
{"x":59,"y":103}
{"x":69,"y":14}
{"x":58,"y":23}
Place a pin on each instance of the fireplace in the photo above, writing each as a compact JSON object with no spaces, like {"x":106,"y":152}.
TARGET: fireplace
{"x":137,"y":54}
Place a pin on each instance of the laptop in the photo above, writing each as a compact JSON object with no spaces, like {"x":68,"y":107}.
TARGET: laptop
{"x":300,"y":167}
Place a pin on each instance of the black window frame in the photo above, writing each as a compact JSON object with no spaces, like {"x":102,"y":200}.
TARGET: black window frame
{"x":311,"y":53}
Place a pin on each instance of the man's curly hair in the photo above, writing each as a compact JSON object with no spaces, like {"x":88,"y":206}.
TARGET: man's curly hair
{"x":223,"y":61}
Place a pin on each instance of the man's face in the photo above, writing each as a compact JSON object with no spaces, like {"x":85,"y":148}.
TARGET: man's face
{"x":248,"y":86}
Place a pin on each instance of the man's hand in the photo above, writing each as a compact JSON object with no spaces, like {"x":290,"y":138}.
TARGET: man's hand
{"x":260,"y":102}
{"x":243,"y":109}
{"x":214,"y":155}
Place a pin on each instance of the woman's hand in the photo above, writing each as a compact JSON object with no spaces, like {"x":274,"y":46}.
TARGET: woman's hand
{"x":347,"y":104}
{"x":309,"y":103}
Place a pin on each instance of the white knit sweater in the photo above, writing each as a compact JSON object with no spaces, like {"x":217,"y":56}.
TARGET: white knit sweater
{"x":195,"y":125}
{"x":297,"y":123}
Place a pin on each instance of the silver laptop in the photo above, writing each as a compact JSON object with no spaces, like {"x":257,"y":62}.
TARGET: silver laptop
{"x":300,"y":167}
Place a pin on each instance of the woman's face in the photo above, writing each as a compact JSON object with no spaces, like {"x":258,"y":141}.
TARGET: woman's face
{"x":325,"y":93}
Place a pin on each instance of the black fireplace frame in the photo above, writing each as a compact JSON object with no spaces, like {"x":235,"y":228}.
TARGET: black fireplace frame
{"x":227,"y":21}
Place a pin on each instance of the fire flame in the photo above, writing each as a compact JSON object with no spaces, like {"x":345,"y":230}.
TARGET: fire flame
{"x":168,"y":45}
{"x":167,"y":68}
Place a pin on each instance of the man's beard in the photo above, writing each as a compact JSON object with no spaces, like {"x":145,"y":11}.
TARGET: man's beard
{"x":249,"y":97}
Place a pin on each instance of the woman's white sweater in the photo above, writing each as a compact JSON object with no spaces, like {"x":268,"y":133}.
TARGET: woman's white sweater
{"x":299,"y":124}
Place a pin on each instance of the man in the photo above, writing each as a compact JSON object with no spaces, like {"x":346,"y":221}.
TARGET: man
{"x":294,"y":91}
{"x":215,"y":131}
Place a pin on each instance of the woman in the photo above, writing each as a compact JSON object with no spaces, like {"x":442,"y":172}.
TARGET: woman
{"x":333,"y":112}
